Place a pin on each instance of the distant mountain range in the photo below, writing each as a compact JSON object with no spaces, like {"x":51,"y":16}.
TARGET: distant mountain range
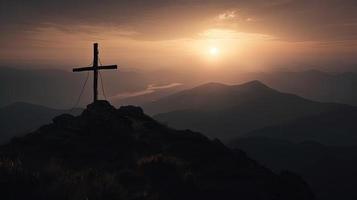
{"x":223,"y":111}
{"x":315,"y":85}
{"x":337,"y":127}
{"x":20,"y":118}
{"x":60,"y":89}
{"x":331,"y":171}
{"x":230,"y":111}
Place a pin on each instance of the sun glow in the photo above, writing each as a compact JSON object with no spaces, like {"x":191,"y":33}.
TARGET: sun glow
{"x":227,"y":49}
{"x":214,"y":51}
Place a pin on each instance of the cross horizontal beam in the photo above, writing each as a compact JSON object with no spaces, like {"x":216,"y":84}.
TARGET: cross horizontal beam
{"x":108,"y":67}
{"x":81,"y":69}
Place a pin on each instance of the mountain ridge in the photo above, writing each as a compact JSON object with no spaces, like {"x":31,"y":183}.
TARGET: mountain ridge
{"x":336,"y":127}
{"x":133,"y":157}
{"x":226,"y":112}
{"x":317,"y":163}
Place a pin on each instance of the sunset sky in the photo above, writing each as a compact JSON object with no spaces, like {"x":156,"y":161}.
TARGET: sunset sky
{"x":180,"y":34}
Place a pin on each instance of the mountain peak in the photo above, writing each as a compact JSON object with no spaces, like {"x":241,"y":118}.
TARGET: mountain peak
{"x":100,"y":105}
{"x":255,"y":84}
{"x":99,"y":108}
{"x":211,"y":96}
{"x":102,"y":109}
{"x":211,"y":86}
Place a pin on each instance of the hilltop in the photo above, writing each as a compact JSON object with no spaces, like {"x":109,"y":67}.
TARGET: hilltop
{"x":109,"y":153}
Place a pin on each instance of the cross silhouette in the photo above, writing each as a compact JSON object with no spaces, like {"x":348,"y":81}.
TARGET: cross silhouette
{"x":95,"y":69}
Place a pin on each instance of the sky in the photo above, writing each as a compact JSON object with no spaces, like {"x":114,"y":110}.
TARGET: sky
{"x":225,"y":35}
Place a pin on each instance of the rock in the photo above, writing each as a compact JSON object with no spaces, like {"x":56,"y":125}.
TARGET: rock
{"x":99,"y":109}
{"x":63,"y":120}
{"x":133,"y":111}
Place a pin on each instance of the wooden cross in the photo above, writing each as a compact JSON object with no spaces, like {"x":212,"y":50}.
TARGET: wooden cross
{"x":95,"y":69}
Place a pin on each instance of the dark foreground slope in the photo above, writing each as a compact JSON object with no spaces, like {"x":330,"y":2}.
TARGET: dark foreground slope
{"x":108,"y":153}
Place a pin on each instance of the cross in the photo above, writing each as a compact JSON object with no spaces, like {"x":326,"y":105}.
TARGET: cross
{"x":95,"y":69}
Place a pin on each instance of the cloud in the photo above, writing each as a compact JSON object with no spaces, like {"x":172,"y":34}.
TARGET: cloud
{"x":150,"y":89}
{"x":228,"y":15}
{"x":291,"y":20}
{"x":161,"y":33}
{"x":160,"y":87}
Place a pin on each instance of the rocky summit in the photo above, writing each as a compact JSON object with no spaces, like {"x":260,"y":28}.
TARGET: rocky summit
{"x":109,"y":153}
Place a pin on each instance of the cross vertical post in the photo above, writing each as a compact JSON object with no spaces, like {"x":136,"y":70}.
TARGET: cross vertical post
{"x":95,"y":68}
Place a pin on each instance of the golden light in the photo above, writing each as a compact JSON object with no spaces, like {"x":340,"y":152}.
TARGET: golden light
{"x":214,"y":51}
{"x":224,"y":48}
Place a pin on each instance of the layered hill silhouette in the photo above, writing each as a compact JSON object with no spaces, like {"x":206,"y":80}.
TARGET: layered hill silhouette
{"x":311,"y":84}
{"x":108,"y":153}
{"x":331,"y":171}
{"x":337,"y":127}
{"x":54,"y":88}
{"x":229,"y":111}
{"x":20,"y":118}
{"x":316,"y":85}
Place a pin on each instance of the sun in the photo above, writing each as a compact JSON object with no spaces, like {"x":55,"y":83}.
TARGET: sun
{"x":214,"y":51}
